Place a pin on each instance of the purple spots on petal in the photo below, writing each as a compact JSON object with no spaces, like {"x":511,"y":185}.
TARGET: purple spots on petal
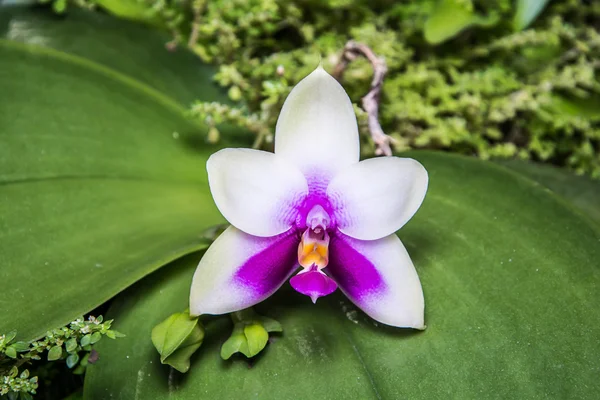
{"x":313,"y":283}
{"x":267,"y":270}
{"x":354,"y":273}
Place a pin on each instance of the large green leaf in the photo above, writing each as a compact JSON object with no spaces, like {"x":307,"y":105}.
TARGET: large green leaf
{"x":132,"y":49}
{"x":581,"y":191}
{"x":449,"y":18}
{"x":511,"y":283}
{"x":102,"y":179}
{"x":527,"y":12}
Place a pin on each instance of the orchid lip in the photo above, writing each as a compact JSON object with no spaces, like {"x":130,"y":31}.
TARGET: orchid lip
{"x":314,"y":283}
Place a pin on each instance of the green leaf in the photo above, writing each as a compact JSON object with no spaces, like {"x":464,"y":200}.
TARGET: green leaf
{"x":130,"y":9}
{"x":511,"y":281}
{"x":236,"y":343}
{"x":96,"y":336}
{"x":54,"y":353}
{"x":72,"y":360}
{"x":21,"y":346}
{"x":71,"y":345}
{"x":581,"y":192}
{"x":270,"y":324}
{"x":10,"y":352}
{"x":527,"y":12}
{"x":86,"y":340}
{"x":587,"y":108}
{"x":9,"y":337}
{"x":102,"y":179}
{"x":131,"y":49}
{"x":450,"y":17}
{"x":256,"y":337}
{"x":177,"y":338}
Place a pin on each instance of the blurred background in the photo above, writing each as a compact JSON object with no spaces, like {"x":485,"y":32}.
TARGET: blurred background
{"x":489,"y":78}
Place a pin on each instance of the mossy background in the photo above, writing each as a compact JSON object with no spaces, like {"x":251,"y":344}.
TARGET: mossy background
{"x":464,"y":75}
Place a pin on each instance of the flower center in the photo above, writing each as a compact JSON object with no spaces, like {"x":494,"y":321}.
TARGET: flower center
{"x":313,"y":256}
{"x":314,"y":245}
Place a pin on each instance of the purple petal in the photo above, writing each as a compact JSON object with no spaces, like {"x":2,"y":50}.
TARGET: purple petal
{"x":379,"y":277}
{"x":240,"y":270}
{"x":313,"y":283}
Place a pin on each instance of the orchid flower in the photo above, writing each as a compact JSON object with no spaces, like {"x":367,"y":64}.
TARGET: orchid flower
{"x":313,"y":206}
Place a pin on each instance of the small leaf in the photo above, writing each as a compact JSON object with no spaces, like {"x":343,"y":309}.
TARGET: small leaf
{"x":86,"y":340}
{"x":177,"y":338}
{"x":84,"y":359}
{"x":100,"y":318}
{"x":21,"y":346}
{"x":14,"y":371}
{"x":9,"y":337}
{"x":256,"y":337}
{"x":11,"y":352}
{"x":79,"y":370}
{"x":72,"y":360}
{"x":449,"y":18}
{"x":527,"y":12}
{"x":573,"y":106}
{"x":24,"y":374}
{"x":236,"y":343}
{"x":270,"y":324}
{"x":54,"y":353}
{"x":71,"y":345}
{"x":96,"y":336}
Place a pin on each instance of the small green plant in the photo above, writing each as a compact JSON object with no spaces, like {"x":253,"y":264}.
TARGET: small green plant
{"x":72,"y":343}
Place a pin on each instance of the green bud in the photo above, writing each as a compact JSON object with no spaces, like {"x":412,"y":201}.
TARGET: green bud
{"x":250,"y":334}
{"x":213,"y":135}
{"x":177,"y":338}
{"x":54,"y":353}
{"x":235,"y":93}
{"x":59,"y":6}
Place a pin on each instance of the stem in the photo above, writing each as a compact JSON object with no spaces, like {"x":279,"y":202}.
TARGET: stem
{"x":370,"y":102}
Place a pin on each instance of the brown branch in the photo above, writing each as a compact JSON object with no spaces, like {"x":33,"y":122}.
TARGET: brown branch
{"x":370,"y":102}
{"x":197,"y":10}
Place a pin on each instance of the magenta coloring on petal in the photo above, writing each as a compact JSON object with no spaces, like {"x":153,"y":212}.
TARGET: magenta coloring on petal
{"x":266,"y":271}
{"x":313,"y":283}
{"x":354,"y":273}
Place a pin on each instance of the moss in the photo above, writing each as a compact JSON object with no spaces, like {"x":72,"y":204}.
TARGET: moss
{"x":486,"y":91}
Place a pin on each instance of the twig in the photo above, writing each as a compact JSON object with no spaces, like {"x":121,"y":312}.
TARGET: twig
{"x":197,"y":10}
{"x":370,"y":102}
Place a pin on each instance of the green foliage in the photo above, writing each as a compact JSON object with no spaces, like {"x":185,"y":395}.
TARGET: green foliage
{"x":485,"y":90}
{"x":177,"y":338}
{"x":511,"y":280}
{"x":72,"y":343}
{"x":104,"y":186}
{"x":527,"y":11}
{"x":250,"y":334}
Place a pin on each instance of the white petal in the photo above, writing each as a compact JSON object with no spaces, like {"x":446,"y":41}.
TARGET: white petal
{"x":239,"y":270}
{"x":379,"y":277}
{"x":317,"y":128}
{"x":256,"y":191}
{"x":376,"y":197}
